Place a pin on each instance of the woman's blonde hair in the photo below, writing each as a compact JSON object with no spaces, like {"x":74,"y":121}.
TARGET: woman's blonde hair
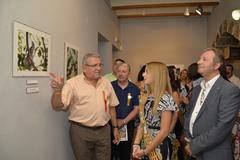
{"x":160,"y":82}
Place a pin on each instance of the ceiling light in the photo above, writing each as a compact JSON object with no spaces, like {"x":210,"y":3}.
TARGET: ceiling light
{"x":236,"y":14}
{"x":186,"y":12}
{"x":199,"y":10}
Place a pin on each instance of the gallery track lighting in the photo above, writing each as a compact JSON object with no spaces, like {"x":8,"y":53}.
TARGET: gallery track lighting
{"x":186,"y":12}
{"x":236,"y":14}
{"x":199,"y":10}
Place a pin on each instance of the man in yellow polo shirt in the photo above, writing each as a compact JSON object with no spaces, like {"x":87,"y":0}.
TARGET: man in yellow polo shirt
{"x":91,"y":101}
{"x":112,"y":76}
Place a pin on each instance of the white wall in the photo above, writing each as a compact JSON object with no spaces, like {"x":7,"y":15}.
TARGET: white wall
{"x":222,"y":12}
{"x":29,"y":128}
{"x":172,"y":40}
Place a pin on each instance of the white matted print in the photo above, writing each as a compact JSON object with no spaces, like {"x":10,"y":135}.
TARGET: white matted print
{"x":71,"y":60}
{"x":31,"y":51}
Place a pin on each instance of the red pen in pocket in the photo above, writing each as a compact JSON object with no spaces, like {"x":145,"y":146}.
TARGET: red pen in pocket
{"x":105,"y":101}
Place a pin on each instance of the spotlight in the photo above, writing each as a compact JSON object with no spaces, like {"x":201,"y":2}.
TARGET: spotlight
{"x":236,"y":14}
{"x":199,"y":10}
{"x":186,"y":12}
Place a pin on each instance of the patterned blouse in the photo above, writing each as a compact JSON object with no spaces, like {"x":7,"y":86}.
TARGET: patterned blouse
{"x":153,"y":121}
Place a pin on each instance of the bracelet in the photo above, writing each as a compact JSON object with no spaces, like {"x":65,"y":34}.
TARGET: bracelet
{"x":57,"y":92}
{"x":144,"y":152}
{"x":135,"y":144}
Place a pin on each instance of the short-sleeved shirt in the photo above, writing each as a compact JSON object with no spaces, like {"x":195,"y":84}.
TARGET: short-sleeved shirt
{"x":128,"y":98}
{"x":166,"y":104}
{"x":110,"y":76}
{"x":153,"y":120}
{"x":87,"y":104}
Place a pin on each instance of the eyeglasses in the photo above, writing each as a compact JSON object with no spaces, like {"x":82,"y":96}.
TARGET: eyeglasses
{"x":94,"y":65}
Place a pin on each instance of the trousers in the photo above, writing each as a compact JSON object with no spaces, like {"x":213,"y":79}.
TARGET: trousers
{"x":90,"y":143}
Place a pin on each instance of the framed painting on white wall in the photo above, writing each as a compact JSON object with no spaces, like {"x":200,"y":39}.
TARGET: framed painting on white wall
{"x":31,"y":51}
{"x":71,"y":60}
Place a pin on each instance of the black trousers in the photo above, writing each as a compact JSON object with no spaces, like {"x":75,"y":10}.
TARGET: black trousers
{"x":166,"y":148}
{"x":122,"y":151}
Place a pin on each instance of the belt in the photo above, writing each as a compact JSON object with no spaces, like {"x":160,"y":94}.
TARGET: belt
{"x":154,"y":127}
{"x":89,"y":127}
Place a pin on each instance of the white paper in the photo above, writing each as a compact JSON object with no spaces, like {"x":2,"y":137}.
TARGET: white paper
{"x":123,"y":133}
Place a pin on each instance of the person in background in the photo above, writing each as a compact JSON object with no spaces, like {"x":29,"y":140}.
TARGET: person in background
{"x":91,"y":101}
{"x":184,"y":82}
{"x":127,"y":110}
{"x":112,"y":76}
{"x":156,"y":108}
{"x":231,"y":76}
{"x":140,"y":78}
{"x":193,"y":75}
{"x":142,"y":87}
{"x":236,"y":129}
{"x":176,"y":126}
{"x":211,"y":112}
{"x":184,"y":88}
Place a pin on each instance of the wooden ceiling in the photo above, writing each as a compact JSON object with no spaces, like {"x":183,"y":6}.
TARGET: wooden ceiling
{"x":160,"y":8}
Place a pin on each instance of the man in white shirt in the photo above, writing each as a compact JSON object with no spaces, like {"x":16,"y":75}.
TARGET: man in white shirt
{"x":211,"y":112}
{"x":231,"y":77}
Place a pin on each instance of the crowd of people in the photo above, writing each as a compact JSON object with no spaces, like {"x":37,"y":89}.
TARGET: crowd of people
{"x":163,"y":116}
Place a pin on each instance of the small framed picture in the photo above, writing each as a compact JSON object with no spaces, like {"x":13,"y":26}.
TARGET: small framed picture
{"x":31,"y":51}
{"x":71,"y":60}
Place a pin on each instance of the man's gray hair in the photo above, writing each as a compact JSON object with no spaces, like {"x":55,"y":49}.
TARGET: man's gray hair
{"x":88,"y":55}
{"x":219,"y":58}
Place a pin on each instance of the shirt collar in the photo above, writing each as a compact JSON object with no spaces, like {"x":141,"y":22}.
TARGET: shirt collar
{"x":209,"y":83}
{"x":98,"y":82}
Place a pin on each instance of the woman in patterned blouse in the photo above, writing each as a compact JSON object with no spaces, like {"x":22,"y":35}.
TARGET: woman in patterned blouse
{"x":155,"y":114}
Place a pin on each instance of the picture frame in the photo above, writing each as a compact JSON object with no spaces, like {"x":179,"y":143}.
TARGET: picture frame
{"x":71,"y":66}
{"x":31,"y":51}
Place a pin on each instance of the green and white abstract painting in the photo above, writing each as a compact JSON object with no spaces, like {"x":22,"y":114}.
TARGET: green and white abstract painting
{"x":31,"y":52}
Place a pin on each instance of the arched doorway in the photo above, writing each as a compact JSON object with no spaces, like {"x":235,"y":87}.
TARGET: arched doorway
{"x":228,"y":40}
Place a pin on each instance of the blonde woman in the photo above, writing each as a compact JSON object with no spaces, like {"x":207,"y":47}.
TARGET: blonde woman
{"x":155,"y":114}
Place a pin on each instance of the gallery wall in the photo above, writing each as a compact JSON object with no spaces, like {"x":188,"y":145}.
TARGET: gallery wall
{"x":30,"y":129}
{"x":172,"y":40}
{"x":220,"y":13}
{"x":177,"y":40}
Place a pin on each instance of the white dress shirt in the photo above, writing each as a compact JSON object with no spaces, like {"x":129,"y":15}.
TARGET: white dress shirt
{"x":206,"y":87}
{"x":235,"y":80}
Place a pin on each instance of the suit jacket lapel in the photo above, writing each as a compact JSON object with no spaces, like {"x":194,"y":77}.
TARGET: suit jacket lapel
{"x":210,"y":97}
{"x":194,"y":98}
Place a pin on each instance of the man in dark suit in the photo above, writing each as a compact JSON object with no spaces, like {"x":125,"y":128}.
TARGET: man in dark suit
{"x":211,"y":112}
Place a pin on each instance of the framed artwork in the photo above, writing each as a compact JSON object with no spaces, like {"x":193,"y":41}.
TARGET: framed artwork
{"x":71,"y":60}
{"x":31,"y":51}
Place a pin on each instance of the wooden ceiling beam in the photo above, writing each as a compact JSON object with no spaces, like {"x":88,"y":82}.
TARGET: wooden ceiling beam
{"x":161,"y":15}
{"x":164,"y":5}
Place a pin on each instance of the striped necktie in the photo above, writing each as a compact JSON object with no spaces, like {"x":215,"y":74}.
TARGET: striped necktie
{"x":202,"y":95}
